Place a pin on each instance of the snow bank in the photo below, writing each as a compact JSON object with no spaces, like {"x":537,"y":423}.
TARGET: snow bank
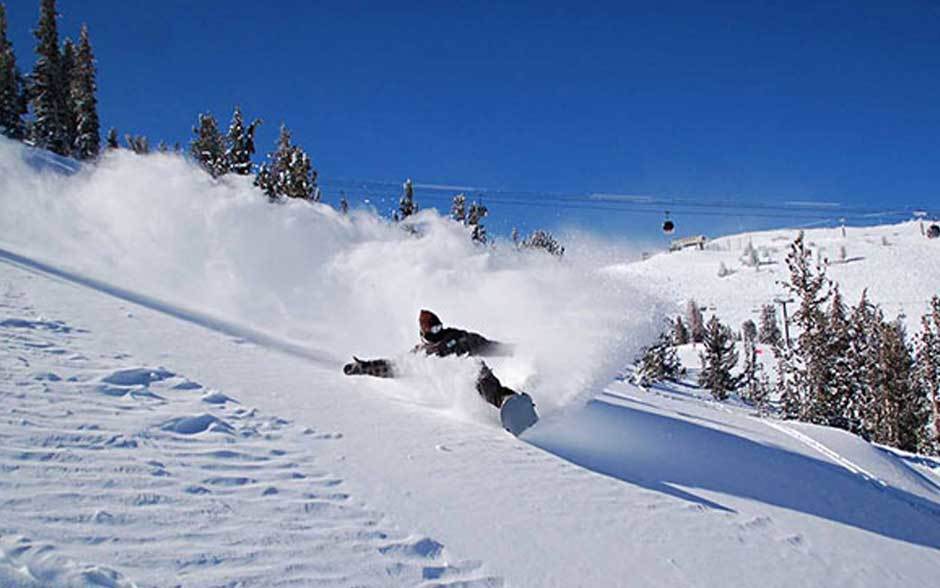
{"x":340,"y":284}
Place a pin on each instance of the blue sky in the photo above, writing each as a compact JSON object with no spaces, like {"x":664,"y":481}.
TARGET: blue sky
{"x":742,"y":102}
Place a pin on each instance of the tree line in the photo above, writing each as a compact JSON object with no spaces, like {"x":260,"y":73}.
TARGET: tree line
{"x":55,"y":108}
{"x":849,"y":367}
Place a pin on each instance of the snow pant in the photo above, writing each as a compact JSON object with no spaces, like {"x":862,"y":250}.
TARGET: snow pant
{"x":487,"y":384}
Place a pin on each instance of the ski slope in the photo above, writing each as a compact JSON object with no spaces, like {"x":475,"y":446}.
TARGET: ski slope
{"x":160,"y":429}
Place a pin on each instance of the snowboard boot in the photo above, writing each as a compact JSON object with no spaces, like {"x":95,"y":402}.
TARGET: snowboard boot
{"x":490,"y":388}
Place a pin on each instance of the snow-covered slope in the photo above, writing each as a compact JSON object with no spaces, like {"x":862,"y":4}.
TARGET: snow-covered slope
{"x":172,"y":412}
{"x":896,"y":263}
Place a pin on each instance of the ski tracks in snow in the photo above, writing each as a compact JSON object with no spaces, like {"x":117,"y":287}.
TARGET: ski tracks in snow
{"x":154,"y":479}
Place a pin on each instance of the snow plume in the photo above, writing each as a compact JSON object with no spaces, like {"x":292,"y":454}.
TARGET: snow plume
{"x":340,"y":284}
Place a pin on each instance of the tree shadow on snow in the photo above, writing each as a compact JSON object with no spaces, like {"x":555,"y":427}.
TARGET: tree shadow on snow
{"x":662,"y":453}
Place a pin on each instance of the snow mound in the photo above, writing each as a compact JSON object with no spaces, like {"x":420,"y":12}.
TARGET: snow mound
{"x":24,"y":564}
{"x":137,"y":377}
{"x":193,"y":425}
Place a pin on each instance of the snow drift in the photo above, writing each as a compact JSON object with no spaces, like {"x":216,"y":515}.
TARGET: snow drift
{"x":338,"y":284}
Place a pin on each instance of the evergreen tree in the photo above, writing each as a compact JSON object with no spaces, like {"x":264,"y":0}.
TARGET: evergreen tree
{"x":458,"y":209}
{"x":515,"y":237}
{"x":696,"y":323}
{"x":750,"y":379}
{"x":87,"y":141}
{"x":905,"y":413}
{"x":658,"y":362}
{"x":288,"y":172}
{"x":406,"y":204}
{"x":680,"y":335}
{"x":541,"y":239}
{"x":208,"y":148}
{"x":928,"y":366}
{"x":49,"y":87}
{"x":138,"y":144}
{"x":750,"y":257}
{"x":67,"y":63}
{"x":475,"y":219}
{"x":344,"y":205}
{"x":833,"y":408}
{"x":813,"y":366}
{"x":769,"y":333}
{"x":749,"y":331}
{"x":241,"y":144}
{"x":112,"y":140}
{"x":864,"y":349}
{"x":12,"y":96}
{"x":718,"y":359}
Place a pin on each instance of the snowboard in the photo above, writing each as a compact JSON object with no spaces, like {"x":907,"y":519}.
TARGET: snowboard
{"x":518,"y":413}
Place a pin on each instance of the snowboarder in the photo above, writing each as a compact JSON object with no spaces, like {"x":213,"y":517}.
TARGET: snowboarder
{"x":443,"y":341}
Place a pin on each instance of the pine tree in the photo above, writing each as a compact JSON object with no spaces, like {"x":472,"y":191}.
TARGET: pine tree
{"x":905,"y":413}
{"x":49,"y":87}
{"x":696,"y":323}
{"x":406,"y":204}
{"x":112,"y":140}
{"x":834,"y":407}
{"x":541,"y":239}
{"x":748,"y":331}
{"x":769,"y":333}
{"x":208,"y":148}
{"x":658,"y":362}
{"x":67,"y":63}
{"x":863,"y":409}
{"x":750,"y":257}
{"x":241,"y":144}
{"x":87,"y":142}
{"x":12,"y":96}
{"x":928,"y":365}
{"x":458,"y":209}
{"x":475,"y":219}
{"x":718,"y":359}
{"x":750,"y":378}
{"x":812,"y":369}
{"x":138,"y":144}
{"x":680,"y":335}
{"x":288,"y":172}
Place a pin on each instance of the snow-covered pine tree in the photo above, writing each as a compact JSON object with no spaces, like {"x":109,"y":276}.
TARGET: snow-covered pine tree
{"x":813,"y":365}
{"x":240,"y":143}
{"x":750,"y":257}
{"x":680,"y":335}
{"x":49,"y":87}
{"x":514,"y":235}
{"x":68,"y":64}
{"x":723,"y":270}
{"x":750,"y":378}
{"x":87,"y":142}
{"x":864,"y":349}
{"x":927,"y":359}
{"x":749,"y":331}
{"x":696,"y":323}
{"x":12,"y":96}
{"x":343,"y":205}
{"x":112,"y":140}
{"x":475,"y":216}
{"x":288,"y":172}
{"x":541,"y":239}
{"x":718,"y":359}
{"x":208,"y":147}
{"x":906,"y":413}
{"x":791,"y":396}
{"x":769,"y":333}
{"x":406,"y":204}
{"x":658,"y":362}
{"x":458,"y":208}
{"x":301,"y":179}
{"x":834,"y":407}
{"x":138,"y":144}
